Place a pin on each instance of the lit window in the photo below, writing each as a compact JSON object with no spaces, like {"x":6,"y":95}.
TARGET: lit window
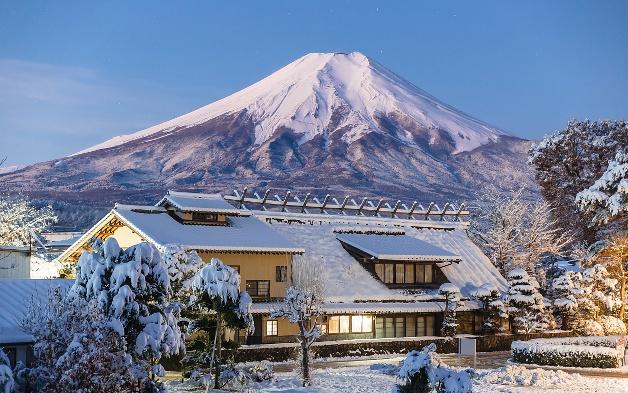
{"x":428,"y":274}
{"x":271,"y":328}
{"x":389,"y":273}
{"x":399,"y":272}
{"x":361,"y":323}
{"x":334,"y":324}
{"x":379,"y":270}
{"x":409,"y":278}
{"x":420,"y":273}
{"x":344,"y":324}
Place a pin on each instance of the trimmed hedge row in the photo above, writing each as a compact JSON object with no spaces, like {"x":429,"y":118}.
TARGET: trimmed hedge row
{"x":595,"y":352}
{"x":283,"y":352}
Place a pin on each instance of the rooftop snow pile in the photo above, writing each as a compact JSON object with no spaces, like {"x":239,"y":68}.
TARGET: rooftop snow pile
{"x":397,"y":247}
{"x":242,"y":233}
{"x":348,"y":281}
{"x":187,"y":201}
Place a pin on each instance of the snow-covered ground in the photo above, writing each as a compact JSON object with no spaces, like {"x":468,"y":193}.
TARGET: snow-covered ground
{"x":41,"y":268}
{"x":381,"y":378}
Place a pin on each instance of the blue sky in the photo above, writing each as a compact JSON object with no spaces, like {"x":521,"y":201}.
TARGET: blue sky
{"x":73,"y":74}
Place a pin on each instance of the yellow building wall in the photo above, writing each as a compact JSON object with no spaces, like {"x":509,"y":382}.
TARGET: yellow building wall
{"x":126,"y":237}
{"x":255,"y":267}
{"x":284,"y":327}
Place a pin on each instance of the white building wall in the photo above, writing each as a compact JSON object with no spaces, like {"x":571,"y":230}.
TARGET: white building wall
{"x":15,"y":262}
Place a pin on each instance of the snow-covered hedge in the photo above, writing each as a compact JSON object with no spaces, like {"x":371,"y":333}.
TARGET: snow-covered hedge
{"x":598,"y":352}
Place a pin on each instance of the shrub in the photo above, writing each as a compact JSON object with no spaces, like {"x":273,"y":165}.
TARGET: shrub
{"x":613,"y":326}
{"x":260,"y":371}
{"x":423,"y":372}
{"x":592,"y":328}
{"x":598,"y":352}
{"x":7,"y":384}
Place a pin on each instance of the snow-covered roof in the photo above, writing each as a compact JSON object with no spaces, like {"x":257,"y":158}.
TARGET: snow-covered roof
{"x":241,"y":233}
{"x":188,"y":201}
{"x":396,"y":247}
{"x":16,"y":295}
{"x":377,"y":307}
{"x":347,"y":281}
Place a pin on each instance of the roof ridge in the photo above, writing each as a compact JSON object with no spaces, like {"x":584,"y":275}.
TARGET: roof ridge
{"x":199,"y":195}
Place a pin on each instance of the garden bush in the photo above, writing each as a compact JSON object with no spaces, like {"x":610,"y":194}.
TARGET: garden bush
{"x":592,"y":328}
{"x":613,"y":326}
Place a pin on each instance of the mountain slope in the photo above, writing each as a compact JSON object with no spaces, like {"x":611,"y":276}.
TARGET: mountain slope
{"x":309,"y":94}
{"x":327,"y":121}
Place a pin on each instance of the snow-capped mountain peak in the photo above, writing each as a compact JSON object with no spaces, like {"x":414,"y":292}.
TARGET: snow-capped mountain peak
{"x":327,"y":93}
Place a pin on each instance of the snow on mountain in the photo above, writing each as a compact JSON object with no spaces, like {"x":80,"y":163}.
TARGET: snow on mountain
{"x":326,"y":123}
{"x":307,"y":94}
{"x":10,"y":168}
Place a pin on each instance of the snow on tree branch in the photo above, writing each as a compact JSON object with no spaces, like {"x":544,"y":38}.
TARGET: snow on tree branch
{"x":607,"y":198}
{"x":18,"y":218}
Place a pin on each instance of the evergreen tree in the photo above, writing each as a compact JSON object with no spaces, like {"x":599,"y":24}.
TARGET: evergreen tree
{"x":607,"y":199}
{"x":7,"y":383}
{"x":132,"y":288}
{"x":492,"y":308}
{"x":565,"y":291}
{"x":572,"y":160}
{"x":451,"y":293}
{"x":525,"y":304}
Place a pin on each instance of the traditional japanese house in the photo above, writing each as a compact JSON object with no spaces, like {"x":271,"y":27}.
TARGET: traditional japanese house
{"x":382,"y":264}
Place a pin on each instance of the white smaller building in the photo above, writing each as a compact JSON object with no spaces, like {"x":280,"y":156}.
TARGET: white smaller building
{"x":15,"y":262}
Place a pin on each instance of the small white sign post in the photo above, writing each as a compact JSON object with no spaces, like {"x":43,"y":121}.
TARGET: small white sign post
{"x":467,"y":347}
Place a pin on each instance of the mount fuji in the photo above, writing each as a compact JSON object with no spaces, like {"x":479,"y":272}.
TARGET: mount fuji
{"x":328,"y":122}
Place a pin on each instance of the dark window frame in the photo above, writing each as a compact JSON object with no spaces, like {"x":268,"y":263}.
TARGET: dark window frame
{"x":253,"y":288}
{"x":204,"y":217}
{"x":281,"y":273}
{"x":399,"y":273}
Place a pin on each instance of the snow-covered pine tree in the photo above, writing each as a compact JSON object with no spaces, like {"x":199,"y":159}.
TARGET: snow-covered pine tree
{"x":525,"y":304}
{"x":451,"y":293}
{"x":566,"y":290}
{"x":492,"y":308}
{"x":607,"y":199}
{"x":302,"y":306}
{"x":19,"y":218}
{"x":602,"y":290}
{"x":132,"y":288}
{"x":7,"y":383}
{"x":182,"y":265}
{"x":613,"y":254}
{"x":572,"y":160}
{"x":218,"y":289}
